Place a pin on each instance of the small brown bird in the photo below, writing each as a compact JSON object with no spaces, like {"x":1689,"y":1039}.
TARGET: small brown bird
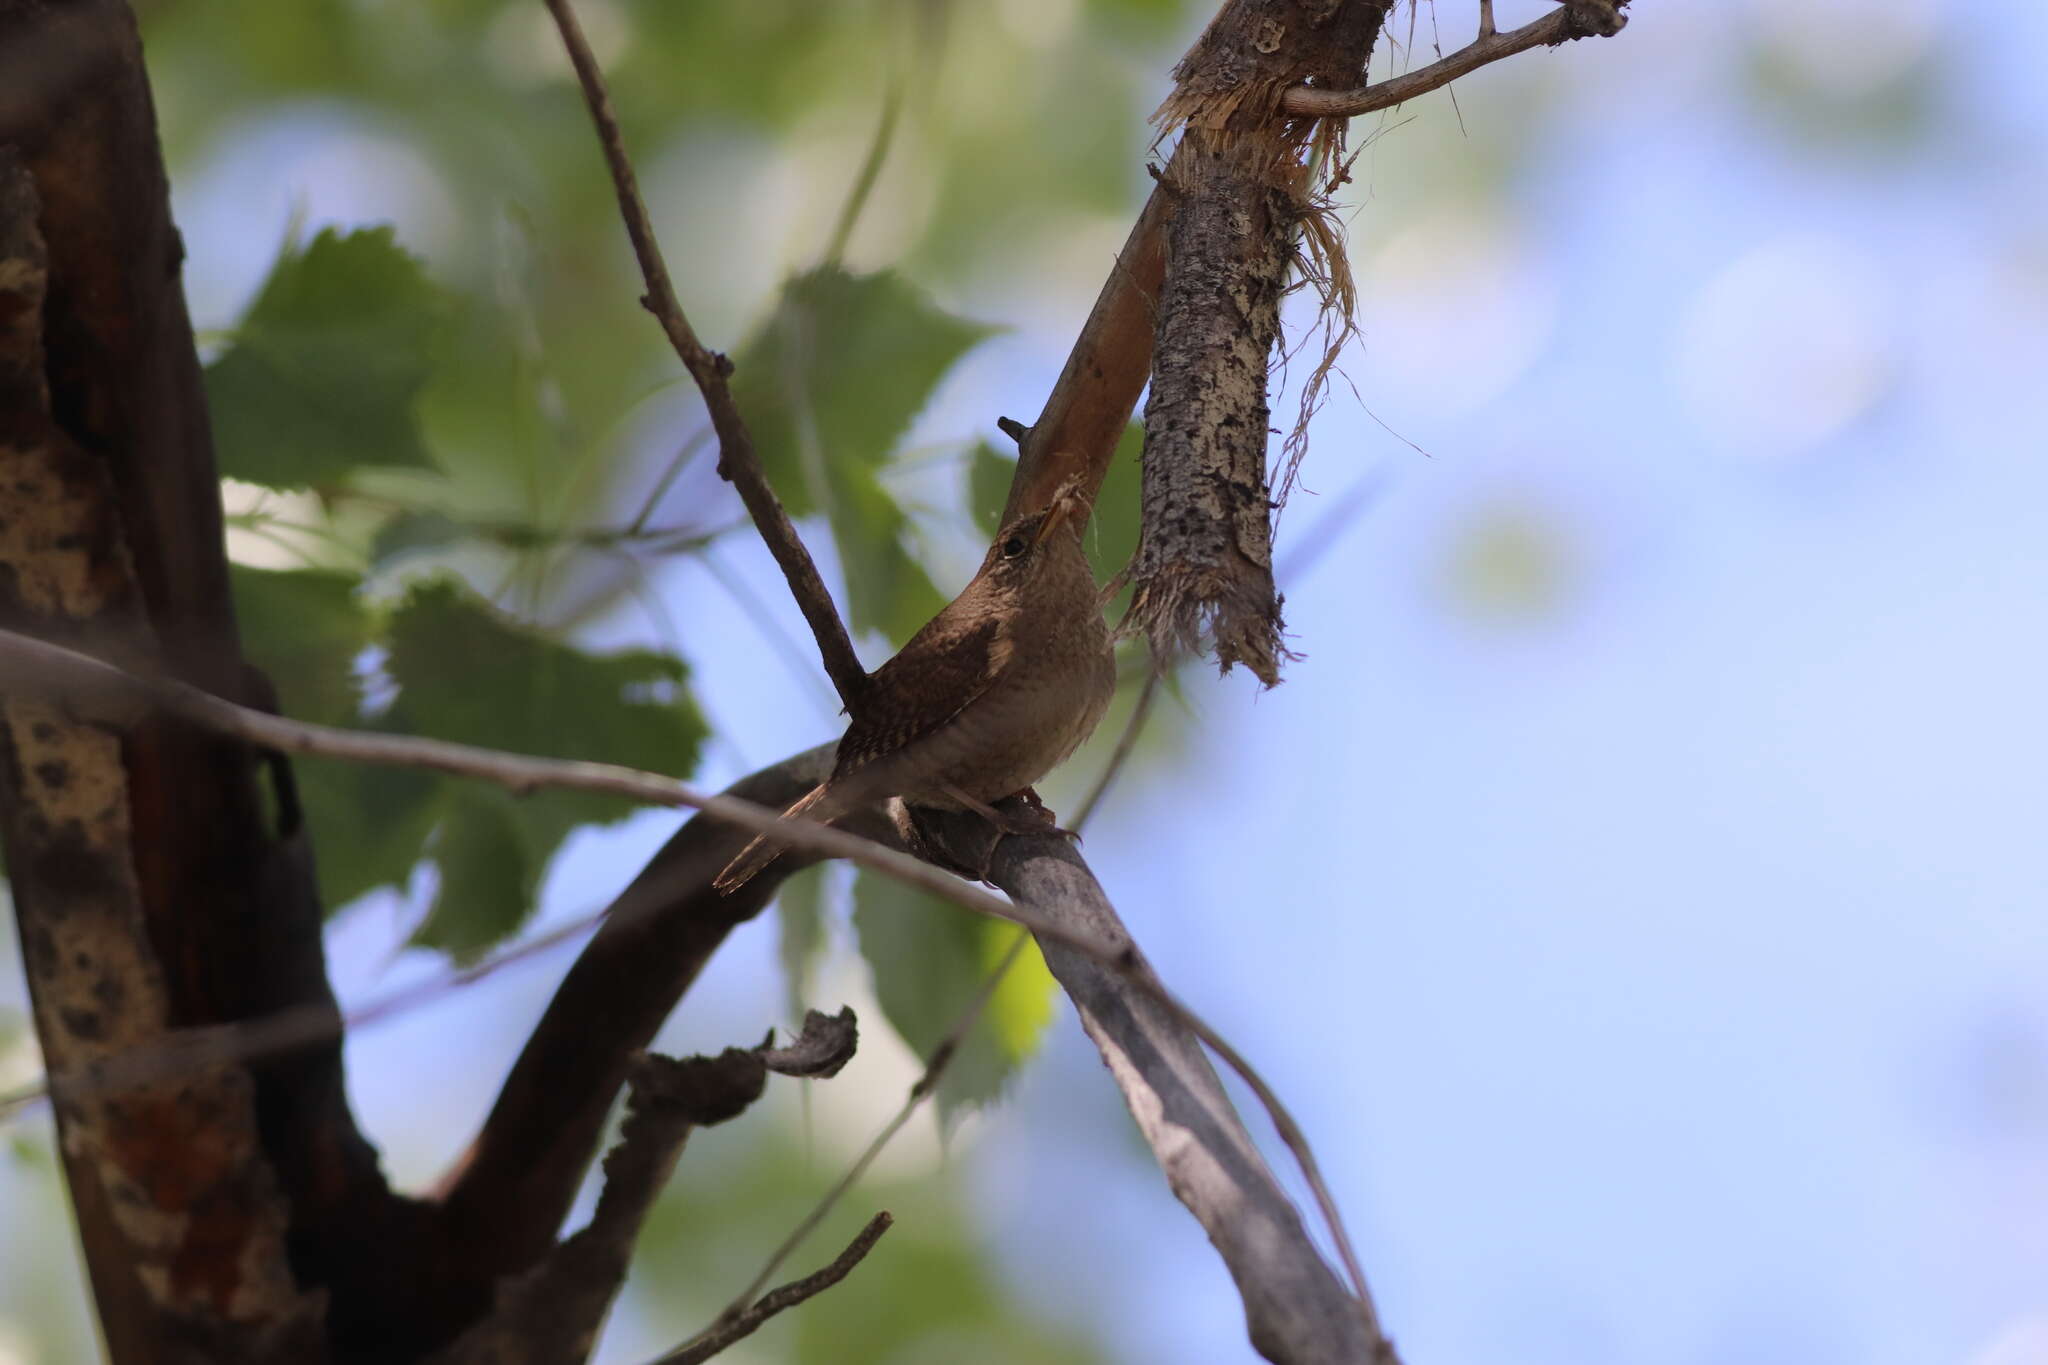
{"x":991,"y":695}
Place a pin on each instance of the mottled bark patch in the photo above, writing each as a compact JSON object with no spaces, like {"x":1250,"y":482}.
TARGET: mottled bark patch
{"x":1240,"y":190}
{"x":175,"y":1166}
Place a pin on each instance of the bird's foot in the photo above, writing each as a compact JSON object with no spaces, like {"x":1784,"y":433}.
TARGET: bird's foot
{"x":1043,"y":821}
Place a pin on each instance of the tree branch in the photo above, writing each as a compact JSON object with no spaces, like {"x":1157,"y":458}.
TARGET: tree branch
{"x":737,"y":461}
{"x":551,"y":1314}
{"x":1084,"y":417}
{"x":1574,"y":19}
{"x":1297,"y":1312}
{"x":39,"y":667}
{"x":948,"y":1048}
{"x":777,"y":1300}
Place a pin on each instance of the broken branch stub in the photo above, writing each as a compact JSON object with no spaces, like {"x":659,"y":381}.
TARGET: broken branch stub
{"x":1204,"y":567}
{"x":1239,"y":185}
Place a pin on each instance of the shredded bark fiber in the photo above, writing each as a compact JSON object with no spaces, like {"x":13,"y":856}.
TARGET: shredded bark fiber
{"x":1244,"y":211}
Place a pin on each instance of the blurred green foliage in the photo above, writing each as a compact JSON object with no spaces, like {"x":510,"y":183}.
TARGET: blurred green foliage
{"x":842,"y":366}
{"x":931,"y":963}
{"x":928,"y":1292}
{"x":323,"y":371}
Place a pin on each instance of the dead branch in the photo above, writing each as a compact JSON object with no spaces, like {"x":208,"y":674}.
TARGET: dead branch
{"x":779,"y":1300}
{"x":1240,"y":185}
{"x":1296,"y":1310}
{"x":551,"y":1314}
{"x":737,"y":460}
{"x":1574,"y":19}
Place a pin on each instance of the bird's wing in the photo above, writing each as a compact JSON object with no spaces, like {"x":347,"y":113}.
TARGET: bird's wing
{"x":932,"y":679}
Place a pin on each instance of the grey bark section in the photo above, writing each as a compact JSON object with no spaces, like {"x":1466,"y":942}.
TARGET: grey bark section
{"x":1204,"y":568}
{"x":1297,"y":1311}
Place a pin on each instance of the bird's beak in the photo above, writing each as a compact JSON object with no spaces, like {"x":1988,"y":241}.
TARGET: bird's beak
{"x":1064,"y":504}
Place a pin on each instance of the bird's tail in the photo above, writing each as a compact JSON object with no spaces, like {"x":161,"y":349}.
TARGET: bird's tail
{"x":764,"y":849}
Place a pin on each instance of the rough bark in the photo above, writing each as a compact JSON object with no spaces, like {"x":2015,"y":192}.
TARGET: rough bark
{"x":183,"y":1226}
{"x":151,"y":893}
{"x":1238,"y":183}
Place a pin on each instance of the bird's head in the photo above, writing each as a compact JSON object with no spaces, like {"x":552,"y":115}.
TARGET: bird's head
{"x":1029,"y":543}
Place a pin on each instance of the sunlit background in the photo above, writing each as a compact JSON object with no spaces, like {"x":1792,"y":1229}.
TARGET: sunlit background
{"x":1636,"y":887}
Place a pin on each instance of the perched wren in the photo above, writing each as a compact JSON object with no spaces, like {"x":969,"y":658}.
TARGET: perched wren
{"x":991,"y":695}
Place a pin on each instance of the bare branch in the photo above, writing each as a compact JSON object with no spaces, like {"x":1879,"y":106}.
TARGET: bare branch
{"x":1084,"y":417}
{"x":775,"y":1301}
{"x":737,"y":460}
{"x":1297,"y":1311}
{"x":551,"y":1314}
{"x":1574,"y":19}
{"x":920,"y":1090}
{"x":33,"y":665}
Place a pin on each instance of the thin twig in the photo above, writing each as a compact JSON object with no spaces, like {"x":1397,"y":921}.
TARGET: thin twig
{"x":948,"y":1047}
{"x":1575,"y":19}
{"x":737,"y":460}
{"x":677,"y":462}
{"x":921,"y":1089}
{"x":79,"y":680}
{"x":724,"y":1334}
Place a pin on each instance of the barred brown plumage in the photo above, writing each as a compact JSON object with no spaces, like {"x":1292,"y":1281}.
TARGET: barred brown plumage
{"x":989,"y":696}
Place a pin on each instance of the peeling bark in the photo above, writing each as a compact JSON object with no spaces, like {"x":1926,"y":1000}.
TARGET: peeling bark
{"x":1204,"y":568}
{"x":1239,"y":183}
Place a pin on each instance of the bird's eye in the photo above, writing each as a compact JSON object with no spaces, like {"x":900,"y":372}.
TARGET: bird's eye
{"x":1014,"y":547}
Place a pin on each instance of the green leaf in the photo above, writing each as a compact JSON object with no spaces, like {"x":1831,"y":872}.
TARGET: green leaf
{"x":488,"y":873}
{"x":886,"y":589}
{"x":369,"y":824}
{"x":323,"y":371}
{"x":410,"y":533}
{"x":305,"y":628}
{"x":838,"y":372}
{"x":1113,"y":530}
{"x":467,"y":673}
{"x":828,"y":387}
{"x":801,"y":910}
{"x":930,"y":960}
{"x":989,"y":473}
